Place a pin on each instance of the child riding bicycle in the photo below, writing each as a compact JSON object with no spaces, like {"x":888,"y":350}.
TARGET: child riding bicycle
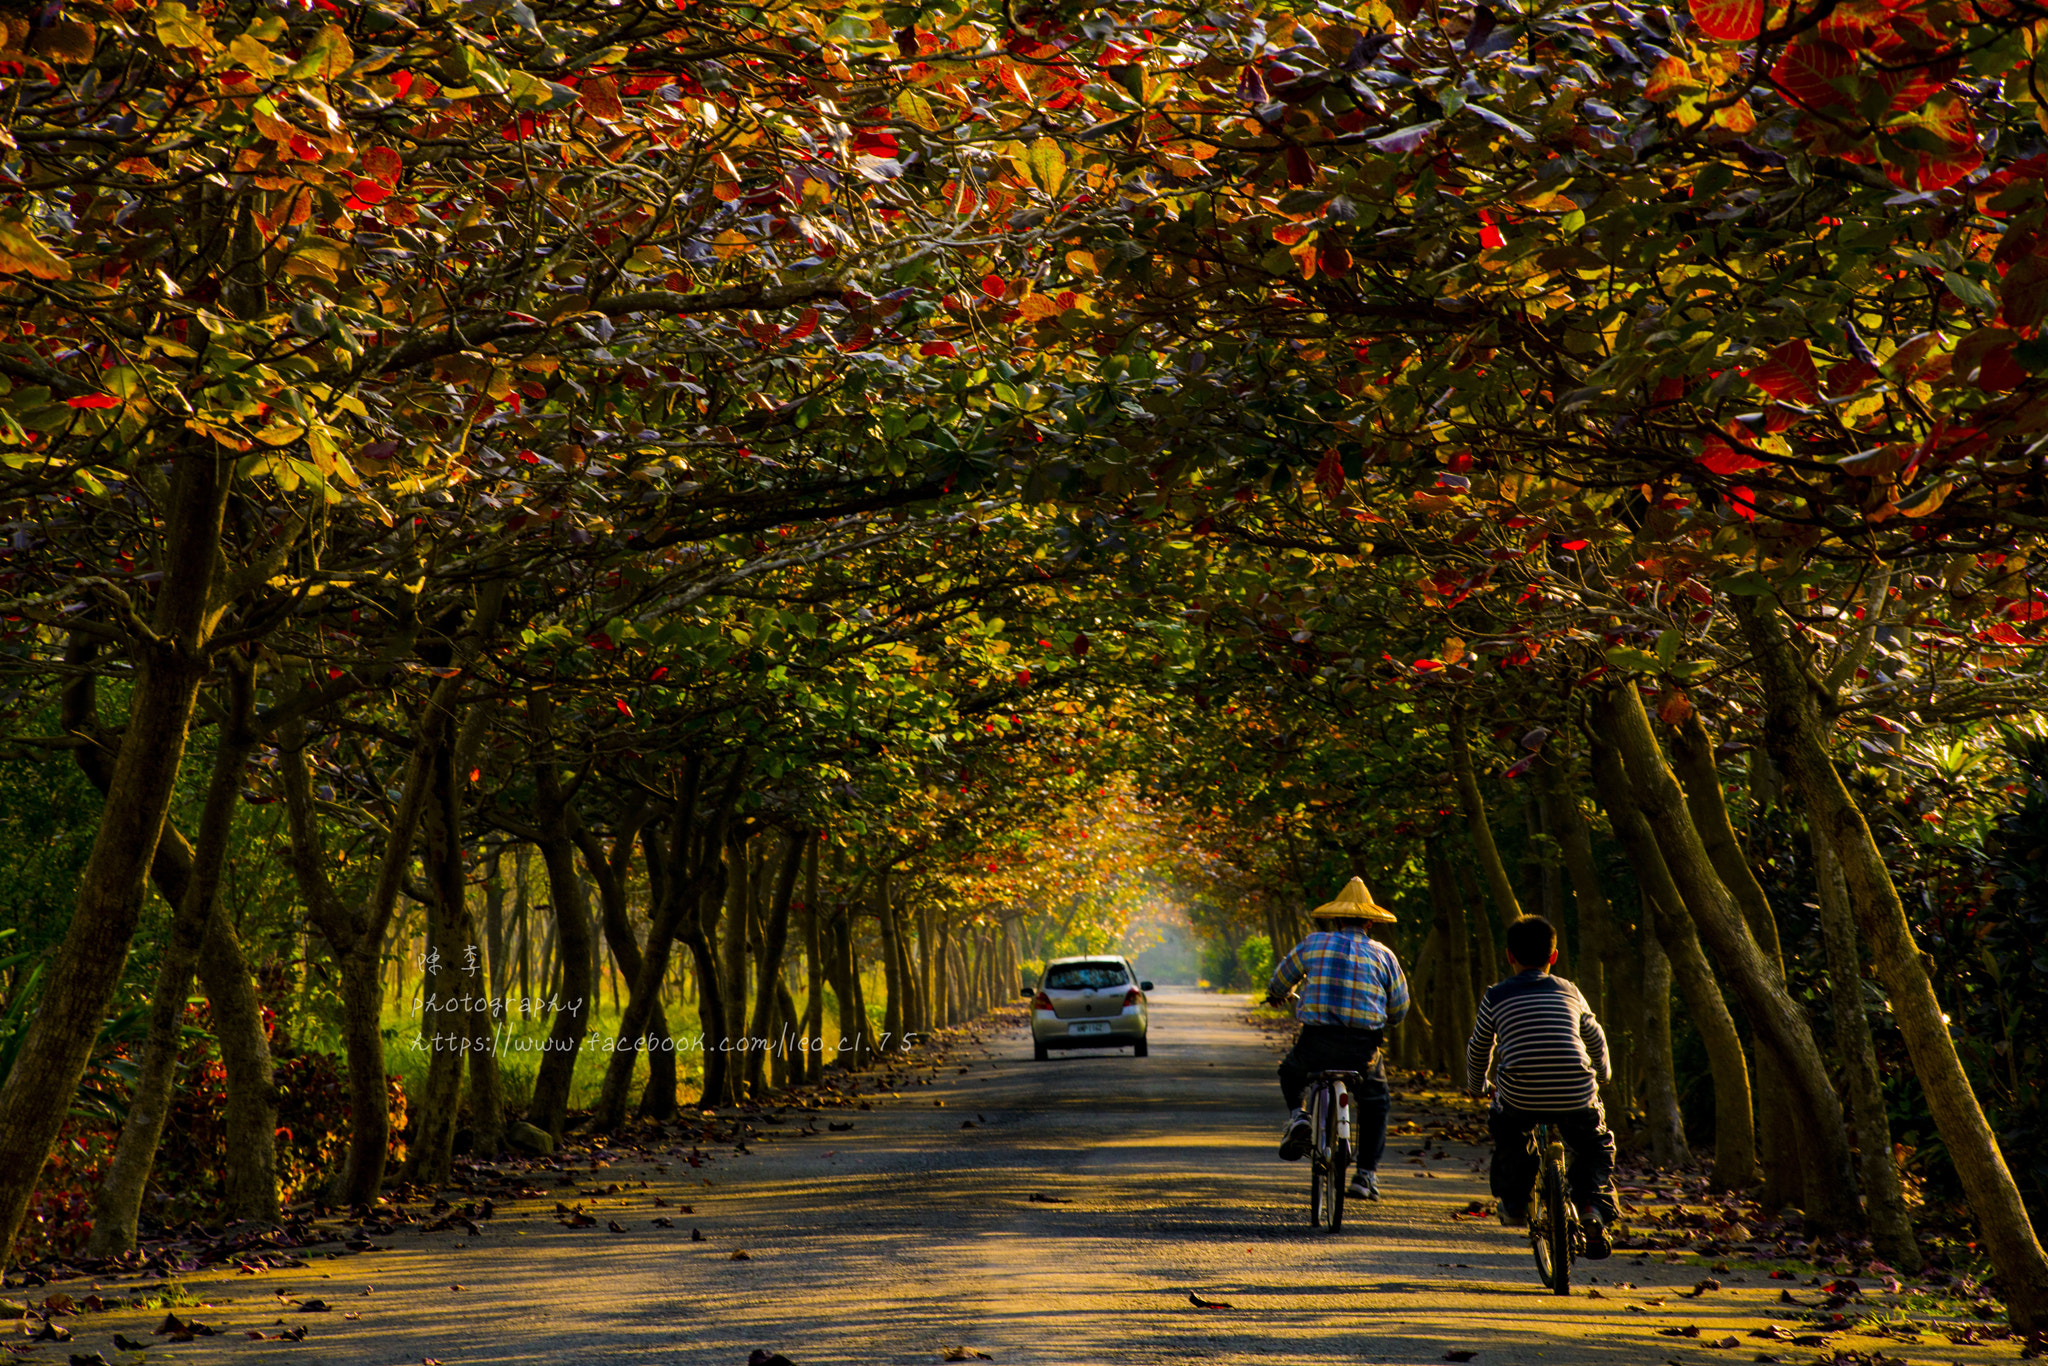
{"x":1352,"y":992}
{"x":1537,"y":1040}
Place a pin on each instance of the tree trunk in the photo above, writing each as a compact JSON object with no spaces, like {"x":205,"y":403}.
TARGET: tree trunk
{"x":768,"y":970}
{"x":573,"y":1001}
{"x":1474,"y":805}
{"x":1664,"y":911}
{"x":892,"y":967}
{"x":172,"y":662}
{"x":1458,"y":1010}
{"x":1668,"y":1148}
{"x":250,"y":1119}
{"x":1797,"y":736}
{"x":739,"y":905}
{"x":1891,"y":1228}
{"x":1596,"y":935}
{"x":192,"y":888}
{"x":814,"y":972}
{"x":1567,"y":824}
{"x":1777,"y":1019}
{"x":1692,"y":756}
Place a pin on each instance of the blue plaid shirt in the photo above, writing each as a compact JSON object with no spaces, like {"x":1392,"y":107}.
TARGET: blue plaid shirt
{"x":1349,"y":979}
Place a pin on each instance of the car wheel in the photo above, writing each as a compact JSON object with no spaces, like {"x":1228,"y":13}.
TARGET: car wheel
{"x":1142,"y":1048}
{"x":1038,"y":1052}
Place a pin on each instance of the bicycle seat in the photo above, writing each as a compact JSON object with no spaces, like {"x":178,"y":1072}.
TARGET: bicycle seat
{"x":1336,"y":1076}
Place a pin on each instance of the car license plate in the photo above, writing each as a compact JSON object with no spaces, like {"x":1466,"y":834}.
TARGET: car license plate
{"x":1097,"y":1027}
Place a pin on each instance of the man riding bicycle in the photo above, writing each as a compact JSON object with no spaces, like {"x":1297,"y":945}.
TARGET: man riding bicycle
{"x":1352,"y":992}
{"x":1546,"y":1055}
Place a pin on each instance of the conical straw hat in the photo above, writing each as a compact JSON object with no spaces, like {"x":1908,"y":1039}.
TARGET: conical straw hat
{"x":1355,"y":902}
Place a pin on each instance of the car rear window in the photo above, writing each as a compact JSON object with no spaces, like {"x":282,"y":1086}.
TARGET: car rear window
{"x":1074,"y":976}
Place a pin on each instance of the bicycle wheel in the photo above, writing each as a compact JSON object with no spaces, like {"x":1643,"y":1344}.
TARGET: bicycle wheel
{"x":1317,"y":1177}
{"x":1340,"y":1159}
{"x":1557,"y":1223}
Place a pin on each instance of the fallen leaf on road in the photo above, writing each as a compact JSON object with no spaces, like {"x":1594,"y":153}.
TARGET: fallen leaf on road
{"x":1724,"y":1343}
{"x":90,"y":1359}
{"x":1595,"y":1295}
{"x":967,"y":1124}
{"x":1702,"y":1287}
{"x":840,"y":1128}
{"x":52,"y":1332}
{"x":59,"y":1304}
{"x":128,"y":1344}
{"x":615,"y":1226}
{"x":696,"y":1235}
{"x":1038,"y":1199}
{"x":761,"y":1356}
{"x":740,"y":1254}
{"x":1460,"y":1355}
{"x":963,"y":1354}
{"x":1691,"y":1330}
{"x":1200,"y":1303}
{"x":664,"y":1223}
{"x":314,"y":1307}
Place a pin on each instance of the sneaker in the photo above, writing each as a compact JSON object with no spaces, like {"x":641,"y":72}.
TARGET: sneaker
{"x":1511,"y":1217}
{"x":1364,"y":1186}
{"x":1294,"y":1142}
{"x":1599,"y":1247}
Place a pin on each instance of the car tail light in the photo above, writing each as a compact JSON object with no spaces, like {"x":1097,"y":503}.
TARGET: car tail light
{"x":1132,"y":997}
{"x":1041,"y":1002}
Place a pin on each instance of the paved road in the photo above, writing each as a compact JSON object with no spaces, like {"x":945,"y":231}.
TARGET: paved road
{"x":911,"y":1234}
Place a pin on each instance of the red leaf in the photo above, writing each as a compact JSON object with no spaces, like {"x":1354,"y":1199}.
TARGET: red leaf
{"x":367,"y":192}
{"x":1574,"y":545}
{"x":1814,"y":72}
{"x":937,"y":349}
{"x":93,"y":401}
{"x":1733,"y":20}
{"x":1423,"y":666}
{"x":1717,"y":455}
{"x":1999,"y":372}
{"x":1850,"y":375}
{"x":1675,"y":709}
{"x":805,"y":325}
{"x":993,"y":286}
{"x":624,"y":710}
{"x":1023,"y":678}
{"x":659,"y":674}
{"x":381,"y":163}
{"x":1489,"y":236}
{"x":1080,"y":645}
{"x":1788,"y":375}
{"x":1330,"y":473}
{"x":1743,"y":501}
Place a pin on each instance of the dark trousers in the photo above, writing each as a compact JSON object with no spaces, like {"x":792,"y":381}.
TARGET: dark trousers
{"x":1584,"y":1131}
{"x":1333,"y":1048}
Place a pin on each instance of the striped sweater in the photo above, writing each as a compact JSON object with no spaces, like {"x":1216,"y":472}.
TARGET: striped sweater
{"x":1537,"y":1038}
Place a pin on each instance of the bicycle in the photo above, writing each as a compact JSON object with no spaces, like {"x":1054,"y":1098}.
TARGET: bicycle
{"x":1554,"y":1232}
{"x":1328,"y":1103}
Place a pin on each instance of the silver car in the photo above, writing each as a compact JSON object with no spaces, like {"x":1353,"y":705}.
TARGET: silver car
{"x":1094,"y":1002}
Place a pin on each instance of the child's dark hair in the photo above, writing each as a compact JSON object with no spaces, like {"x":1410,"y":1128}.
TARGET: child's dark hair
{"x":1531,"y":941}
